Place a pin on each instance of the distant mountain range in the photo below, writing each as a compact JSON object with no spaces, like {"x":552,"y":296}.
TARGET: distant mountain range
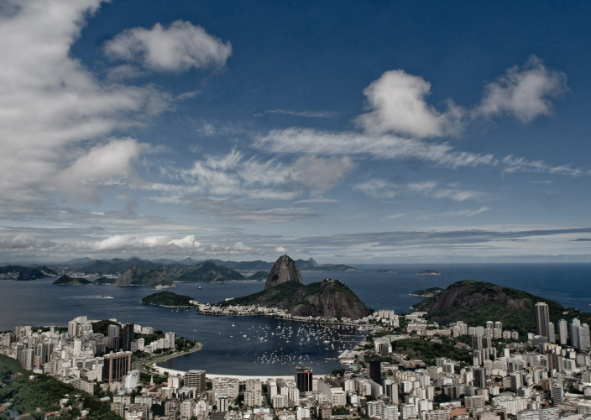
{"x":162,"y":272}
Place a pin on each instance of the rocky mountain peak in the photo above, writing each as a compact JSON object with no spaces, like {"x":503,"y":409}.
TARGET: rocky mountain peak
{"x":284,"y":270}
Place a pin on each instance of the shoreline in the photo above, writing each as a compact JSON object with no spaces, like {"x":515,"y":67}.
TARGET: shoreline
{"x":162,"y":371}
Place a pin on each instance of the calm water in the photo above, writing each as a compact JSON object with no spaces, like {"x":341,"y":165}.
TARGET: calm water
{"x":227,"y":351}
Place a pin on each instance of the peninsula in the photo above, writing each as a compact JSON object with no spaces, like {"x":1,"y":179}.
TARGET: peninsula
{"x":71,"y":281}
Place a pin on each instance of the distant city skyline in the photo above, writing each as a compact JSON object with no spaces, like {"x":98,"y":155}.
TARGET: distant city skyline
{"x":345,"y":132}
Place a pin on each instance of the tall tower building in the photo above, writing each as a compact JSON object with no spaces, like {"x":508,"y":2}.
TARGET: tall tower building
{"x":584,"y":340}
{"x":375,"y":371}
{"x":551,"y":333}
{"x":304,"y":379}
{"x":574,"y":333}
{"x":542,"y":318}
{"x":479,"y":377}
{"x":127,"y":337}
{"x":562,"y":332}
{"x":114,"y":339}
{"x":116,"y":366}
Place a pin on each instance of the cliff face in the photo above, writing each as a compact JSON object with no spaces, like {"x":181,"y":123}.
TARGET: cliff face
{"x":326,"y":299}
{"x":284,"y":270}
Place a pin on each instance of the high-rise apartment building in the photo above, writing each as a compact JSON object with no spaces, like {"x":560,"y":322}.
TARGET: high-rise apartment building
{"x":562,"y":332}
{"x":542,"y":318}
{"x":127,"y":337}
{"x":116,"y":366}
{"x":304,"y":379}
{"x":574,"y":332}
{"x":195,"y":379}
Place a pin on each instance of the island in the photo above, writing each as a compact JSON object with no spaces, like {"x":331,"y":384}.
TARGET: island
{"x":169,"y":300}
{"x":425,"y":293}
{"x":71,"y":281}
{"x":429,"y":273}
{"x":385,"y":270}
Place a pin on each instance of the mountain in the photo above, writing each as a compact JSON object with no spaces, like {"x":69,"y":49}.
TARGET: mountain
{"x":118,"y":266}
{"x":71,"y":281}
{"x":326,"y":299}
{"x":105,"y":281}
{"x":78,"y":261}
{"x":245,"y":265}
{"x":19,"y":272}
{"x":259,"y":275}
{"x":188,"y":261}
{"x":209,"y":272}
{"x":284,"y":270}
{"x":136,"y":277}
{"x":168,"y":300}
{"x":476,"y":302}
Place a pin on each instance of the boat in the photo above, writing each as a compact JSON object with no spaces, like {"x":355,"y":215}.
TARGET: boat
{"x":200,"y":287}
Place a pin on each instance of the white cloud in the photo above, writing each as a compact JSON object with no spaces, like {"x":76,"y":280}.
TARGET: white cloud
{"x":51,"y":105}
{"x":101,"y":164}
{"x":523,"y":92}
{"x":320,"y":173}
{"x":397,"y":104}
{"x":466,"y":213}
{"x":281,"y":250}
{"x":179,"y":47}
{"x":379,"y":188}
{"x":295,"y":140}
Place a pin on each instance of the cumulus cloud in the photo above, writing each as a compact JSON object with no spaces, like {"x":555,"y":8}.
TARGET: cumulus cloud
{"x":51,"y":104}
{"x":179,"y":47}
{"x":100,"y":165}
{"x":396,"y":103}
{"x":523,"y":92}
{"x":281,"y":250}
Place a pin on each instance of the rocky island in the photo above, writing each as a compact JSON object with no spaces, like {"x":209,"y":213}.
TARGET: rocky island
{"x":168,"y":300}
{"x":426,"y":293}
{"x":284,"y":290}
{"x":429,"y":273}
{"x":71,"y":281}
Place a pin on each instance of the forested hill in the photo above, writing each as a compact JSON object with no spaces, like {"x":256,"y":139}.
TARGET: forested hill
{"x":475,"y":302}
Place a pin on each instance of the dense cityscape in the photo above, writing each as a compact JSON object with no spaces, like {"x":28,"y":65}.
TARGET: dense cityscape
{"x":544,"y":376}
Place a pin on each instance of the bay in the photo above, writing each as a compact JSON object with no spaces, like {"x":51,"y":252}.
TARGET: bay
{"x":41,"y":303}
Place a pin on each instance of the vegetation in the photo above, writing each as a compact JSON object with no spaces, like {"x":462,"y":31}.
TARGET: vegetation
{"x":431,"y":291}
{"x":168,"y":299}
{"x":329,"y":298}
{"x":428,"y":351}
{"x":105,"y":280}
{"x":209,"y":272}
{"x":44,"y":392}
{"x":71,"y":281}
{"x":477,"y":302}
{"x":18,"y":272}
{"x":259,"y":275}
{"x":102,"y":327}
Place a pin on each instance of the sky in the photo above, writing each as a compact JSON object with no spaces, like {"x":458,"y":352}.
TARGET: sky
{"x":344,"y":131}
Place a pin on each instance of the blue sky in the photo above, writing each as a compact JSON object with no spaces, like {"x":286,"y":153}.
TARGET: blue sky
{"x":383,"y":132}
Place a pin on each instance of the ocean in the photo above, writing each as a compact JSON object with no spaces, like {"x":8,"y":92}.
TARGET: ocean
{"x":271,"y":346}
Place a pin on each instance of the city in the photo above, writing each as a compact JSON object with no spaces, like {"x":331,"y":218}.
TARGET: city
{"x":544,"y":376}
